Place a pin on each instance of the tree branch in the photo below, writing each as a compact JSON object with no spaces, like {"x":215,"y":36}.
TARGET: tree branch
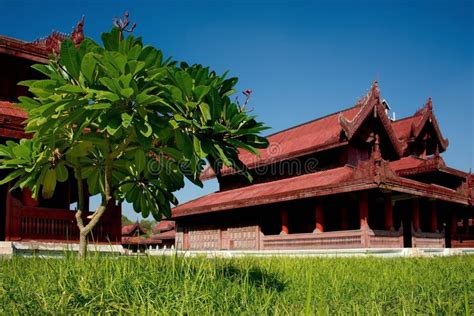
{"x":107,"y":197}
{"x":80,"y":198}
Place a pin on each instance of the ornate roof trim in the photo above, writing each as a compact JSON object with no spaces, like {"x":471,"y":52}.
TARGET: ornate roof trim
{"x":39,"y":49}
{"x":428,"y":116}
{"x":52,"y":42}
{"x":371,"y":104}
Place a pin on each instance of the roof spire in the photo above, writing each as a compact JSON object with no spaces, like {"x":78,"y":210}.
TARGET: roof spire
{"x":77,"y":34}
{"x":374,"y":90}
{"x":429,"y":104}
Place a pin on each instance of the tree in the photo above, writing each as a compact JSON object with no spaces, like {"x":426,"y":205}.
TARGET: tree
{"x":125,"y":220}
{"x":129,"y":123}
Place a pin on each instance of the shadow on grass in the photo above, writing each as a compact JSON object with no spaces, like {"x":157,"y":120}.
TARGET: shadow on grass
{"x":255,"y":276}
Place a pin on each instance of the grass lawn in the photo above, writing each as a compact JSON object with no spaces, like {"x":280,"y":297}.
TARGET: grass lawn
{"x":170,"y":285}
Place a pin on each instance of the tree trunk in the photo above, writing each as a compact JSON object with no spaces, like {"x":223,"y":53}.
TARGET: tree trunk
{"x":82,"y":245}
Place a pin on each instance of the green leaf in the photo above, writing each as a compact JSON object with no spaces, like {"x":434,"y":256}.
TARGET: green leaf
{"x":99,"y":106}
{"x":146,"y":129}
{"x":81,"y":149}
{"x":184,"y":143}
{"x":93,"y":182}
{"x":126,"y":119}
{"x":61,"y":172}
{"x":140,"y":160}
{"x":111,"y":39}
{"x":11,"y":176}
{"x":205,"y":110}
{"x":200,"y":92}
{"x":198,"y":148}
{"x":185,"y":82}
{"x":127,"y":92}
{"x":114,"y":124}
{"x":70,"y":88}
{"x":70,"y":58}
{"x":49,"y":184}
{"x":88,"y":66}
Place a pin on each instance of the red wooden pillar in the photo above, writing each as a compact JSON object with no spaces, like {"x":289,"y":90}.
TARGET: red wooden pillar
{"x":465,"y":221}
{"x":344,"y":219}
{"x":389,"y":212}
{"x":284,"y":222}
{"x":434,"y":217}
{"x":27,"y":199}
{"x":454,"y":222}
{"x":319,"y":223}
{"x":364,"y":209}
{"x":415,"y":215}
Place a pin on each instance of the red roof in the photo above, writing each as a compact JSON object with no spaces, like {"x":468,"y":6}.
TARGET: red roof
{"x":171,"y":234}
{"x":414,"y":165}
{"x":407,"y":163}
{"x":263,"y":193}
{"x":320,"y":134}
{"x":39,"y":49}
{"x":139,"y":241}
{"x":403,"y":127}
{"x":163,"y":226}
{"x":10,"y":109}
{"x":303,"y":139}
{"x":132,"y":229}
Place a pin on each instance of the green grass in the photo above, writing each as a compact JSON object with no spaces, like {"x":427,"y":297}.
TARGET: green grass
{"x":170,"y":285}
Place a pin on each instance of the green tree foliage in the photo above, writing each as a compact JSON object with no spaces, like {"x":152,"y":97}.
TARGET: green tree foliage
{"x":128,"y":122}
{"x":126,"y":220}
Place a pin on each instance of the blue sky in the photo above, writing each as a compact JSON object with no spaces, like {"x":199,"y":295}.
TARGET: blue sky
{"x":302,"y":59}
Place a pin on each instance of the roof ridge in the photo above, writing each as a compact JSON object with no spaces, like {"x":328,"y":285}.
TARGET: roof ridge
{"x":312,"y":121}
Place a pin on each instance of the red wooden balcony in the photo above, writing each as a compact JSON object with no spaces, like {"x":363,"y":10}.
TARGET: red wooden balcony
{"x":56,"y":225}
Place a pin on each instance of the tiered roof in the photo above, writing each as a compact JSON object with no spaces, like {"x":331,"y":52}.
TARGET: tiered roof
{"x":336,"y":130}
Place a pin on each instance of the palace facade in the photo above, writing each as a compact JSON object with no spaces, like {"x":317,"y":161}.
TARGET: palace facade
{"x":353,"y":179}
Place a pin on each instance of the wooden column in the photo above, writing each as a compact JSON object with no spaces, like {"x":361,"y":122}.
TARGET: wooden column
{"x":27,"y":198}
{"x":364,"y":209}
{"x":319,"y":222}
{"x":454,"y":222}
{"x":389,"y":212}
{"x":434,"y":217}
{"x":284,"y":222}
{"x":465,"y":221}
{"x":344,"y":219}
{"x":415,"y":215}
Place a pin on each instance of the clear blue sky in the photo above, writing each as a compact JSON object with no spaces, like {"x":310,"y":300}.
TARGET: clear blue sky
{"x":302,"y":59}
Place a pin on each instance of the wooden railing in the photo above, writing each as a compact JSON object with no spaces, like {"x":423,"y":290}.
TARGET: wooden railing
{"x":462,"y":240}
{"x":327,"y":240}
{"x":385,"y":238}
{"x":361,"y":238}
{"x":39,"y":223}
{"x":428,"y":240}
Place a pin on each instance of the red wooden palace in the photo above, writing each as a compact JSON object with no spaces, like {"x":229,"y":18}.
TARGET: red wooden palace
{"x":352,"y":179}
{"x":21,"y":217}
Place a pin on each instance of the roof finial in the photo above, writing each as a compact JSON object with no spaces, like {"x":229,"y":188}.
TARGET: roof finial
{"x":77,"y":34}
{"x":374,"y":90}
{"x":429,"y":104}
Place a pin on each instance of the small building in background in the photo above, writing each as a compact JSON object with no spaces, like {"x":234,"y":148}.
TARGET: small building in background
{"x":136,"y":238}
{"x":165,"y":232}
